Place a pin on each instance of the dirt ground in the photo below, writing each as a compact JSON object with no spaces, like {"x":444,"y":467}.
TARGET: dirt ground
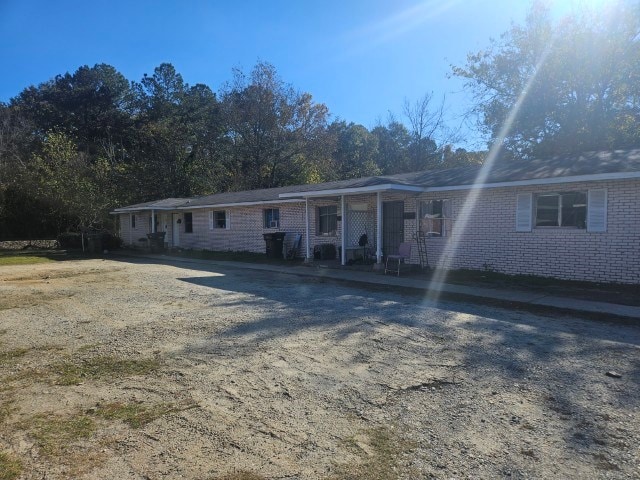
{"x":131,"y":370}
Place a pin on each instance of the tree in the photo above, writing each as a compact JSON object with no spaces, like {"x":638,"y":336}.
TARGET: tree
{"x":355,"y":151}
{"x":273,"y":131}
{"x":577,"y":83}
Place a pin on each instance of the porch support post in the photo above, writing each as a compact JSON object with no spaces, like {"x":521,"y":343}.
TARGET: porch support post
{"x":343,"y":240}
{"x":379,"y":228}
{"x":130,"y":229}
{"x":153,"y":221}
{"x":306,"y":236}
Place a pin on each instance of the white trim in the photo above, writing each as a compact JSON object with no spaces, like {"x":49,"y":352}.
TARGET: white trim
{"x":300,"y":196}
{"x":515,"y":183}
{"x":217,"y":206}
{"x":346,"y":191}
{"x":541,"y":181}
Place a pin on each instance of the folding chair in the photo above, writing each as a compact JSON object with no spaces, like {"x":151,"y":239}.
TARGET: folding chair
{"x":404,"y":253}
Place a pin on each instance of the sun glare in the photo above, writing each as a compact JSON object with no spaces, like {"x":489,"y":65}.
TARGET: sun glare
{"x":466,"y":212}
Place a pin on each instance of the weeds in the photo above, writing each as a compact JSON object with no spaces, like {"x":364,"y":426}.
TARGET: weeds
{"x":136,"y":415}
{"x":12,"y":355}
{"x":10,"y":467}
{"x":73,"y":373}
{"x":242,"y":475}
{"x":54,"y":435}
{"x":380,"y":451}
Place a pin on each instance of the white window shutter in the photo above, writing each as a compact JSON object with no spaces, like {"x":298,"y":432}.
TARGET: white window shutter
{"x":597,"y":210}
{"x":227,"y":217}
{"x":524,"y":212}
{"x":446,"y":213}
{"x":211,"y":220}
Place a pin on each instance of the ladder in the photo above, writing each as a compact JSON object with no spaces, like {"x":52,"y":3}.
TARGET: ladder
{"x":421,"y":241}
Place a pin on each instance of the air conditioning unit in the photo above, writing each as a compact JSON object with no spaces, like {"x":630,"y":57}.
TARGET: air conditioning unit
{"x":273,"y":224}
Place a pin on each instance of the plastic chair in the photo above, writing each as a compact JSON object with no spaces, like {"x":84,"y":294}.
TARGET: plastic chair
{"x":404,"y":253}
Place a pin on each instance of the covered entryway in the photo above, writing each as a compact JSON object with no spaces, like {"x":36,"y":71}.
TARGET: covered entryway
{"x":392,"y":226}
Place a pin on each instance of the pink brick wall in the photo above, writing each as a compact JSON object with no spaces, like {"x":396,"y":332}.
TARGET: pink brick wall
{"x":489,"y":240}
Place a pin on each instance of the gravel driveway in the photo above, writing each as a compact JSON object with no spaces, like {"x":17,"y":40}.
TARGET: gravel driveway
{"x":245,"y":374}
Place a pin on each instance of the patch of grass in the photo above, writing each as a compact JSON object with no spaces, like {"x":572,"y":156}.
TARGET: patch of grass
{"x":22,"y":260}
{"x":10,"y":467}
{"x":12,"y":355}
{"x":74,"y":372}
{"x":380,"y":451}
{"x":242,"y":475}
{"x":136,"y":415}
{"x":54,"y":434}
{"x":7,"y":407}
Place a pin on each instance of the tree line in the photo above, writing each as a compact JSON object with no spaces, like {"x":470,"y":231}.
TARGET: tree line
{"x":82,"y":143}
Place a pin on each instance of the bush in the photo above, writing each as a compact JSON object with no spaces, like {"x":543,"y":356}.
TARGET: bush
{"x":69,"y":240}
{"x":111,"y":241}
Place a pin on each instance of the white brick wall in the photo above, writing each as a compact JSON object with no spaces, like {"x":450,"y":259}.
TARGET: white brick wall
{"x":488,"y":241}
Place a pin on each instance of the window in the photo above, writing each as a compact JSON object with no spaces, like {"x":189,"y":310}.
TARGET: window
{"x":188,"y":222}
{"x":133,"y":221}
{"x":565,"y":209}
{"x":271,"y":217}
{"x":327,"y":220}
{"x":218,"y":219}
{"x":433,"y":217}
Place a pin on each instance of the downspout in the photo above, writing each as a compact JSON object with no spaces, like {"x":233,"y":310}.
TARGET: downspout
{"x":343,"y":240}
{"x":306,"y":237}
{"x":379,"y":228}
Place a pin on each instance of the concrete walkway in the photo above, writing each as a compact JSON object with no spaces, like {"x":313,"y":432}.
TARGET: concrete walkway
{"x":416,"y":285}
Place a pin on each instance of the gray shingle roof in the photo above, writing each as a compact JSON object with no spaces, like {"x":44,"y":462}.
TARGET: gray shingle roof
{"x":592,"y":163}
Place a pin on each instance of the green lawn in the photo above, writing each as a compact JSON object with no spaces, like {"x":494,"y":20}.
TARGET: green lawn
{"x":22,"y":259}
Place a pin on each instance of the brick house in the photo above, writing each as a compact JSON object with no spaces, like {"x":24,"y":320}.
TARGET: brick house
{"x":573,"y":217}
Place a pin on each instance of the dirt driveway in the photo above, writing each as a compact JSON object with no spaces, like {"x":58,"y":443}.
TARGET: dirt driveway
{"x":117,"y":369}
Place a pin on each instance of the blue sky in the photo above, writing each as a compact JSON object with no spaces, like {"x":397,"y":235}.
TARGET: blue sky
{"x":361,"y":58}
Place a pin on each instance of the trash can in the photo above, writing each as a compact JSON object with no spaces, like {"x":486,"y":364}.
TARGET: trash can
{"x":156,"y":241}
{"x":274,"y":242}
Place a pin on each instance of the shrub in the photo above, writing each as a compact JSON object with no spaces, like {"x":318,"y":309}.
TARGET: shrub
{"x":70,"y":240}
{"x":111,"y":241}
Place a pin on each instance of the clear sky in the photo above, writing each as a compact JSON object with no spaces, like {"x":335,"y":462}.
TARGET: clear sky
{"x":361,"y":58}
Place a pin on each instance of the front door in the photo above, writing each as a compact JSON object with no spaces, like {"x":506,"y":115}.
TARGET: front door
{"x":392,"y":227}
{"x":175,"y":236}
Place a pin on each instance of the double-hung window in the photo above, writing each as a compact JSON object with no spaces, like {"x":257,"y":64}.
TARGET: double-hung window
{"x":218,"y":219}
{"x":327,"y":220}
{"x":271,"y":217}
{"x":188,"y":222}
{"x":565,"y":209}
{"x":434,"y":215}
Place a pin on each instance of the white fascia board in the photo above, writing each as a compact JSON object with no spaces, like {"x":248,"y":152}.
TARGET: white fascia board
{"x":353,"y":190}
{"x":238,"y":204}
{"x":540,"y":181}
{"x":138,"y":209}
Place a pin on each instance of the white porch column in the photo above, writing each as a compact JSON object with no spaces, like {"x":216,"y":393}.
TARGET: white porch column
{"x":306,"y":236}
{"x":379,"y":228}
{"x":343,"y":213}
{"x":153,"y":221}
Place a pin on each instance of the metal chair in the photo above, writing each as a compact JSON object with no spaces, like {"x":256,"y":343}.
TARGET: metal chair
{"x":404,"y":253}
